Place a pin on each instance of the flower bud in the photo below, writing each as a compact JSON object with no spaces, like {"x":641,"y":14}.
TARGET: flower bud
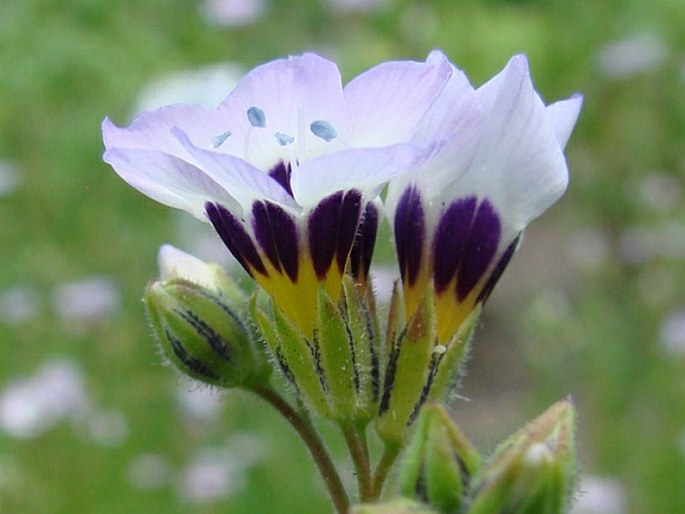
{"x":418,"y":366}
{"x":203,"y":334}
{"x":439,"y":461}
{"x":533,"y":472}
{"x":335,"y":371}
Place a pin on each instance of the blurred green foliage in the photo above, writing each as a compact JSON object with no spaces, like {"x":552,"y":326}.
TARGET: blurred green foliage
{"x":589,"y":326}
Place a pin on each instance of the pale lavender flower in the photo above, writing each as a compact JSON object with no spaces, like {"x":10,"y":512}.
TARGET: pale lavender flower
{"x":284,"y":167}
{"x":458,"y":216}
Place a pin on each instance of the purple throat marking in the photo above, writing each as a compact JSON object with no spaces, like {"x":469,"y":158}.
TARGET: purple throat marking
{"x":410,"y":234}
{"x":276,"y":234}
{"x":281,"y":174}
{"x":465,"y":243}
{"x":331,"y":229}
{"x":235,"y":237}
{"x":364,"y":242}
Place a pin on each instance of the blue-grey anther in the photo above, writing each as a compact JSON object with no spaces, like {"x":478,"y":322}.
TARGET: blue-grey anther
{"x":283,"y":139}
{"x":324,"y":130}
{"x":256,"y":117}
{"x":219,"y":140}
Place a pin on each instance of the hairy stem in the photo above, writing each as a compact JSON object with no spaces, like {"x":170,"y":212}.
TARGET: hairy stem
{"x":313,"y":442}
{"x":390,"y":453}
{"x":356,"y":443}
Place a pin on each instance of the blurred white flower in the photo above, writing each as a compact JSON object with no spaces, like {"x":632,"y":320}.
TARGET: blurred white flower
{"x":9,"y":178}
{"x":198,"y":403}
{"x":600,"y":495}
{"x":19,"y":304}
{"x":205,"y":86}
{"x":31,"y":405}
{"x":635,"y":54}
{"x":233,"y":13}
{"x":673,"y":333}
{"x":209,"y":478}
{"x":91,"y":300}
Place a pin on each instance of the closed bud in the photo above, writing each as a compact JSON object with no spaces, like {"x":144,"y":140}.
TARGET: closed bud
{"x":439,"y":461}
{"x":203,"y":334}
{"x":533,"y":472}
{"x":394,"y":507}
{"x":418,"y":366}
{"x":335,"y":371}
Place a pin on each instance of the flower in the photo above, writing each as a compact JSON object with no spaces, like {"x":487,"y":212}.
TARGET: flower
{"x":458,"y":217}
{"x":285,"y":166}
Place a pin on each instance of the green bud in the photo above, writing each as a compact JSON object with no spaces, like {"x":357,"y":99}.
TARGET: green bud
{"x":439,"y":461}
{"x":203,"y":334}
{"x":408,"y":374}
{"x":418,"y":366}
{"x":335,"y":371}
{"x":533,"y":472}
{"x":297,"y":358}
{"x":394,"y":507}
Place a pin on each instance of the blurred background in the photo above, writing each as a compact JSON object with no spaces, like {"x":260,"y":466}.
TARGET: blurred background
{"x":593,"y":305}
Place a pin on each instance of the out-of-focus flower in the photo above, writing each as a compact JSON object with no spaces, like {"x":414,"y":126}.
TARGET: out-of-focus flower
{"x":233,"y":13}
{"x":458,"y":217}
{"x":29,"y":406}
{"x":285,"y":166}
{"x":632,"y":55}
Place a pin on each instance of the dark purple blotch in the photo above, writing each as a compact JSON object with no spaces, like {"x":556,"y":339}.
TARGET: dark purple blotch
{"x":499,"y":269}
{"x":276,"y":233}
{"x":364,"y":242}
{"x":331,"y":227}
{"x":481,"y":248}
{"x":410,"y":234}
{"x":322,"y":232}
{"x":348,"y":223}
{"x":465,"y":243}
{"x":281,"y":174}
{"x":449,"y":242}
{"x":235,"y":237}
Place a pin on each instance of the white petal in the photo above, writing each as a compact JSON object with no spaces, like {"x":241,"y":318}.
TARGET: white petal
{"x":175,"y":263}
{"x":385,"y":103}
{"x":245,"y":182}
{"x":291,"y":94}
{"x":520,"y":166}
{"x":563,"y":115}
{"x":364,"y":169}
{"x":167,"y":179}
{"x":151,"y":130}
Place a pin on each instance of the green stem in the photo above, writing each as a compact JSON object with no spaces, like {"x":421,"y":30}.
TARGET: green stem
{"x":356,"y":443}
{"x":313,"y":442}
{"x":390,"y":453}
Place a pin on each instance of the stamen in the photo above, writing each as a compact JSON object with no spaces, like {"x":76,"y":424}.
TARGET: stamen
{"x":256,"y":117}
{"x":283,"y":139}
{"x":219,"y":140}
{"x":324,"y":130}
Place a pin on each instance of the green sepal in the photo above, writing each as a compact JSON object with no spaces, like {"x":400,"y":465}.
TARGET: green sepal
{"x":532,"y":472}
{"x":362,"y":328}
{"x":407,"y":379}
{"x":298,"y":358}
{"x":204,"y":334}
{"x":338,"y":358}
{"x":438,"y":462}
{"x":453,"y":354}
